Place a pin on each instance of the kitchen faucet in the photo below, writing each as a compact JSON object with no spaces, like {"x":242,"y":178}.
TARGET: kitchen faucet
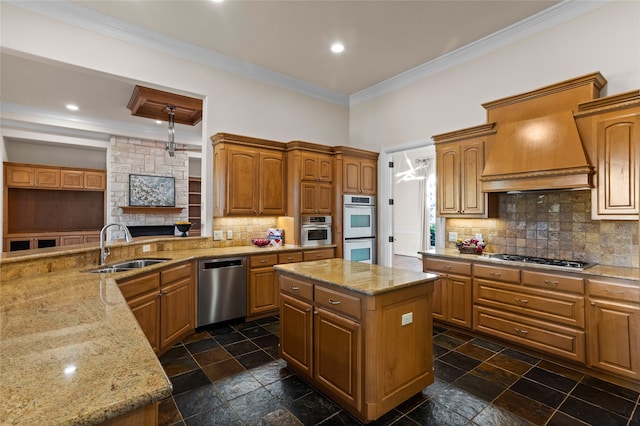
{"x":104,"y":251}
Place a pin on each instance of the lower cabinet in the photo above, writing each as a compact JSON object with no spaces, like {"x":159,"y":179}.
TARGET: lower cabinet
{"x":163,"y":303}
{"x":452,"y":293}
{"x":359,"y":350}
{"x":613,"y":327}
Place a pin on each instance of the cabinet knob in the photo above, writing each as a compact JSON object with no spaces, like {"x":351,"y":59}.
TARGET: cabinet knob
{"x":334,"y":302}
{"x":315,"y":312}
{"x":307,"y":310}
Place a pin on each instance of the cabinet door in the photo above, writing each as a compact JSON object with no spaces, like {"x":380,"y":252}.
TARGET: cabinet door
{"x":296,"y":338}
{"x":448,"y":175}
{"x":351,"y":176}
{"x":459,"y":300}
{"x":369,"y":177}
{"x":176,"y":314}
{"x":472,"y":163}
{"x":308,"y":198}
{"x":272,"y":184}
{"x":613,"y":333}
{"x":21,"y":177}
{"x":325,"y":168}
{"x":337,"y":362}
{"x":47,"y":178}
{"x":241,"y":184}
{"x":316,"y":167}
{"x":324,"y":198}
{"x":95,"y":181}
{"x":263,"y":291}
{"x":146,"y":309}
{"x":66,"y":240}
{"x":618,"y":166}
{"x":71,"y":179}
{"x":439,"y":299}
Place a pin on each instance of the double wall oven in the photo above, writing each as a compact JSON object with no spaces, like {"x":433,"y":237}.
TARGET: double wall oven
{"x":359,"y":228}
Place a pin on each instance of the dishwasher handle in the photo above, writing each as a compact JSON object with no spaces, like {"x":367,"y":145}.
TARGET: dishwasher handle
{"x":222,"y":263}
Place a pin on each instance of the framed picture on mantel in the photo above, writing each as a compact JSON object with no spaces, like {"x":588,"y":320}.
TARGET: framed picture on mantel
{"x":152,"y":191}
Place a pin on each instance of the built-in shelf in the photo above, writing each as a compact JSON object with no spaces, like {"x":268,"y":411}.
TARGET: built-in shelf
{"x":147,"y":210}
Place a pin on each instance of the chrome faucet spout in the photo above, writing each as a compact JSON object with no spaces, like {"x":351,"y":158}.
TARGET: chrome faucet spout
{"x":104,"y":251}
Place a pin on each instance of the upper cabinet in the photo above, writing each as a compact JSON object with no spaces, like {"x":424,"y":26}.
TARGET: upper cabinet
{"x":460,"y":161}
{"x":358,"y":170}
{"x":310,"y":178}
{"x":249,"y":176}
{"x":47,"y":177}
{"x":611,"y":130}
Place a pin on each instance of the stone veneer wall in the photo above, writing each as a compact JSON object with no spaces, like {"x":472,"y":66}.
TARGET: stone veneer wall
{"x":144,"y":157}
{"x":556,"y":225}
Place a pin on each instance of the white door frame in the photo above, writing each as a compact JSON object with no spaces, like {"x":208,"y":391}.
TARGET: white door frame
{"x":385,"y":193}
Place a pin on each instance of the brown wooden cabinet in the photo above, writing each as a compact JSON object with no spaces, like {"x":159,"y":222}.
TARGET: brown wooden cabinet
{"x":249,"y":176}
{"x":316,"y":167}
{"x":358,"y":350}
{"x":541,"y":310}
{"x":163,"y":303}
{"x":360,"y":175}
{"x":613,"y":326}
{"x":316,"y":198}
{"x":78,"y":179}
{"x":610,"y":127}
{"x":459,"y":164}
{"x":452,"y":301}
{"x":19,"y":175}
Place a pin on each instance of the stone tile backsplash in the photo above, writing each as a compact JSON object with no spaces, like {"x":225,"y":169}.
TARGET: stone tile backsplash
{"x":554,"y":224}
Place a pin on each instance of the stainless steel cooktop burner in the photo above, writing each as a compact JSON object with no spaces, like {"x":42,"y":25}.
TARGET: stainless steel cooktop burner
{"x":573,"y":264}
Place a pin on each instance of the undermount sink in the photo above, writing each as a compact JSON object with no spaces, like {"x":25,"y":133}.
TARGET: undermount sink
{"x":126,"y":266}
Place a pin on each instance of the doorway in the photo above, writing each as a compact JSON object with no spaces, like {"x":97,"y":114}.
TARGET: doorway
{"x":413,"y":186}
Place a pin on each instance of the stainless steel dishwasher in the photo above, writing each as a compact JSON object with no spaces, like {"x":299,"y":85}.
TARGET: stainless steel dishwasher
{"x":222,"y":289}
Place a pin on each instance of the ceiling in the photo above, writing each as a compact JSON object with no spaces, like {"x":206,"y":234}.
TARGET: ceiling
{"x":383,"y":39}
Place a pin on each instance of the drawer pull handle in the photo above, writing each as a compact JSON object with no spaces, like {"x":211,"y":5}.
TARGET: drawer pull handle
{"x":447,"y":267}
{"x":614,"y":291}
{"x":522,"y":300}
{"x":552,"y":283}
{"x":294,"y":288}
{"x":520,"y":331}
{"x":289,"y":258}
{"x":495,"y":274}
{"x":334,"y":302}
{"x":263,"y":261}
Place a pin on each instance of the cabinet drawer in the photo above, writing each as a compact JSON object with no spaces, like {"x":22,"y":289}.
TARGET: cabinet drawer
{"x":292,"y":257}
{"x":338,"y":302}
{"x":627,"y":291}
{"x":319,"y":254}
{"x":497,"y":273}
{"x":560,"y":308}
{"x":447,"y":266}
{"x":175,"y":273}
{"x":299,"y":289}
{"x":561,"y":341}
{"x":553,"y":281}
{"x":137,"y":286}
{"x":263,"y":260}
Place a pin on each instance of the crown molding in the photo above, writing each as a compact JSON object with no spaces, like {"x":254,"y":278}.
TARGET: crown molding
{"x":548,"y":18}
{"x":67,"y":11}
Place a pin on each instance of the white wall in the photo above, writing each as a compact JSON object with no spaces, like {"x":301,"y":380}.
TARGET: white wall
{"x":606,"y":40}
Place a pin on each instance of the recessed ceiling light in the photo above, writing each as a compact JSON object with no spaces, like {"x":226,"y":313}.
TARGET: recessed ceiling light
{"x":72,"y":107}
{"x":337,"y":47}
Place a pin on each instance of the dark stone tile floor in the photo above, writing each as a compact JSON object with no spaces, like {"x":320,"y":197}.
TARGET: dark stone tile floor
{"x":231,"y":374}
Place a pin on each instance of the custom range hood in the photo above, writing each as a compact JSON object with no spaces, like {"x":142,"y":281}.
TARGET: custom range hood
{"x":537,"y":145}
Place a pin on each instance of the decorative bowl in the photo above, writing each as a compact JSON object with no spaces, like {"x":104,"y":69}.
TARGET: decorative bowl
{"x":260,"y":242}
{"x":184,"y":228}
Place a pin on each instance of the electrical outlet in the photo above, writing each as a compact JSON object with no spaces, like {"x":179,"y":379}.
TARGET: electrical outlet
{"x":407,"y":318}
{"x":217,"y":235}
{"x":479,"y":237}
{"x":453,"y":236}
{"x":146,"y":248}
{"x":229,"y":234}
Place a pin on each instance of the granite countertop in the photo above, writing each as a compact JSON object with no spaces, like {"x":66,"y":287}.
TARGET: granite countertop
{"x":71,"y":351}
{"x":594,"y":271}
{"x":359,"y":277}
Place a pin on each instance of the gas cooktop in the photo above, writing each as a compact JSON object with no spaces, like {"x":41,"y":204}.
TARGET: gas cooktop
{"x":571,"y":264}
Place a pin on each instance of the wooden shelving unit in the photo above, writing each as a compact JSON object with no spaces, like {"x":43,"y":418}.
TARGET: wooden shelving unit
{"x":194,"y":205}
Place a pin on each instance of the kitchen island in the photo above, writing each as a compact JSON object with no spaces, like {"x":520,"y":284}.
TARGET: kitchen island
{"x":360,"y":333}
